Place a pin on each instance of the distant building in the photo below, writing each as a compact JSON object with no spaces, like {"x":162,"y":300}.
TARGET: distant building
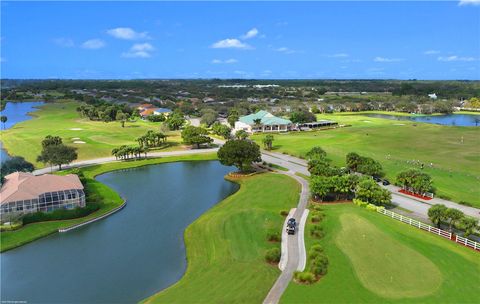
{"x":267,"y":123}
{"x":24,"y":193}
{"x":162,"y":111}
{"x":432,"y":96}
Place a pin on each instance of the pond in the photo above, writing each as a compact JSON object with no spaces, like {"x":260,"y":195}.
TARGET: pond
{"x":463,"y":120}
{"x":16,"y":112}
{"x":128,"y":256}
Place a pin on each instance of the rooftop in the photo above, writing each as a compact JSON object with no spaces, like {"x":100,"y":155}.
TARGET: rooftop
{"x":265,"y":117}
{"x":24,"y":186}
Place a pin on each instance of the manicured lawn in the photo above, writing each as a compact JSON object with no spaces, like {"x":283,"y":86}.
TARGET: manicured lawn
{"x":226,"y":245}
{"x":61,"y":119}
{"x":110,"y":200}
{"x":374,"y":259}
{"x":456,"y":164}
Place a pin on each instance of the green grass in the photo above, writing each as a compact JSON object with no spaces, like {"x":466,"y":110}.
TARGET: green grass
{"x":59,"y":118}
{"x":374,"y":259}
{"x":110,"y":200}
{"x":456,"y":165}
{"x":226,"y":245}
{"x":278,"y":167}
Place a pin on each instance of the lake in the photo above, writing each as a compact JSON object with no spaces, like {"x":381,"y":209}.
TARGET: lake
{"x":462,"y":120}
{"x":128,"y":256}
{"x":16,"y":112}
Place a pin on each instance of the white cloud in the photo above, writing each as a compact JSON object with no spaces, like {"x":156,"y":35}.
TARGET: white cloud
{"x":455,"y":58}
{"x":93,"y":44}
{"x":339,"y":55}
{"x":383,"y":59}
{"x":64,"y":42}
{"x":285,"y":50}
{"x":250,"y":34}
{"x":431,"y":52}
{"x":127,"y":33}
{"x":469,"y":2}
{"x":139,"y":50}
{"x":230,"y":43}
{"x":227,"y":61}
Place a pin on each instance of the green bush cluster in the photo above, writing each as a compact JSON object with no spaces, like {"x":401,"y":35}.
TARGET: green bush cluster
{"x":273,"y":255}
{"x":273,"y":236}
{"x":319,"y":261}
{"x":366,"y":205}
{"x":316,"y":231}
{"x":284,"y":212}
{"x":304,"y":277}
{"x":60,"y":214}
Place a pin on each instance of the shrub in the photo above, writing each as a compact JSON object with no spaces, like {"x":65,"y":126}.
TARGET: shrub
{"x":273,"y":236}
{"x":60,"y":214}
{"x":316,"y":231}
{"x":284,"y":213}
{"x":315,"y":219}
{"x":317,"y":208}
{"x":319,"y":265}
{"x":371,"y":207}
{"x":304,"y":277}
{"x":315,"y":251}
{"x":359,"y":202}
{"x":273,"y":255}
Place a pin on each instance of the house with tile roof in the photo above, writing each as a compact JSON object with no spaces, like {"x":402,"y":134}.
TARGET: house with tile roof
{"x":23,"y":193}
{"x":262,"y":121}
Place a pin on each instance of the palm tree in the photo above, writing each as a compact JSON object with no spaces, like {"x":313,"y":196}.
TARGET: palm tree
{"x":454,"y":215}
{"x":257,"y":123}
{"x":115,"y":152}
{"x":3,"y":119}
{"x":437,"y":214}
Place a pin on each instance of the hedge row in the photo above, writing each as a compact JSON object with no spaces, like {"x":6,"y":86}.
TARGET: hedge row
{"x":60,"y":214}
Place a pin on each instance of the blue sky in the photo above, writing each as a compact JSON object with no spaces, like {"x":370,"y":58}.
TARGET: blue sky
{"x":402,"y":40}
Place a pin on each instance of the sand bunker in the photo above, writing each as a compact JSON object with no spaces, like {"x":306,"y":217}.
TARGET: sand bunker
{"x":75,"y":138}
{"x":398,"y":124}
{"x":78,"y":142}
{"x":366,"y":120}
{"x":76,"y":129}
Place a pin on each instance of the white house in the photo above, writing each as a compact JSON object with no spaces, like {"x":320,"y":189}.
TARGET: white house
{"x":262,"y":121}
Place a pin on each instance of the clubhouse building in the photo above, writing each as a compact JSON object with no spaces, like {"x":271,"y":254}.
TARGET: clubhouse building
{"x":262,"y":121}
{"x":23,"y":193}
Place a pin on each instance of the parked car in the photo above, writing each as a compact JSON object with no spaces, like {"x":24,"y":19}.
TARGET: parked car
{"x":377,"y":179}
{"x":291,"y":226}
{"x":385,"y":182}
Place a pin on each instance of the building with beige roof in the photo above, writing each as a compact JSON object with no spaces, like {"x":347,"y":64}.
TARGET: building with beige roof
{"x":23,"y":193}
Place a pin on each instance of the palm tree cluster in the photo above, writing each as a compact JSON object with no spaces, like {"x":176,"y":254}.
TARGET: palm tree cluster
{"x":152,"y":139}
{"x":127,"y":152}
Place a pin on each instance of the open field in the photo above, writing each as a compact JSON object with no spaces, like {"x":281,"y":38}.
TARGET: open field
{"x":374,"y":259}
{"x":110,"y":200}
{"x":456,"y":164}
{"x":61,"y":119}
{"x":226,"y":245}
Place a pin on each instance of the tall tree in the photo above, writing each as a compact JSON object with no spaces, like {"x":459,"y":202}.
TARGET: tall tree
{"x":239,"y":153}
{"x":58,"y":155}
{"x":233,"y":116}
{"x":196,"y":136}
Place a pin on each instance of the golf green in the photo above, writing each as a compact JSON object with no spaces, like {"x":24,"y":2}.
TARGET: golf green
{"x":375,"y":259}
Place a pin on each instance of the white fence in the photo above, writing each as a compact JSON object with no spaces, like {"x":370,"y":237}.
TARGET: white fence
{"x":431,"y":229}
{"x":401,"y":218}
{"x":467,"y":242}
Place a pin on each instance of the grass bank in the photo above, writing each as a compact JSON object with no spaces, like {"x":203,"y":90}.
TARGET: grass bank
{"x":374,"y":259}
{"x":227,"y":244}
{"x":452,"y":150}
{"x":109,"y":200}
{"x":61,"y":119}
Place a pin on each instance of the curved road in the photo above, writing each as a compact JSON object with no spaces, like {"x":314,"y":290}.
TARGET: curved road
{"x":296,"y":248}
